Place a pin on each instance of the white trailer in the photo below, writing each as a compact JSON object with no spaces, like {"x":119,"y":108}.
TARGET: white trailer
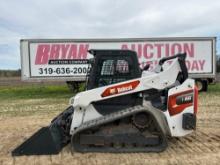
{"x":65,"y":59}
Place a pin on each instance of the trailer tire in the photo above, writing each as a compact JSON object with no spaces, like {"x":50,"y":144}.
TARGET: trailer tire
{"x":202,"y":85}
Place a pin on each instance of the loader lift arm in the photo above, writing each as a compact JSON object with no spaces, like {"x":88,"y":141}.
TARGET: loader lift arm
{"x":181,"y":59}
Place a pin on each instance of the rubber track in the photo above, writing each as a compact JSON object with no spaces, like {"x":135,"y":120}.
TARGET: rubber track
{"x":110,"y":118}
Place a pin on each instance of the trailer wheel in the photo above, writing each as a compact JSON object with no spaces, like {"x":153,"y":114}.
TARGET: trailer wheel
{"x":202,"y":85}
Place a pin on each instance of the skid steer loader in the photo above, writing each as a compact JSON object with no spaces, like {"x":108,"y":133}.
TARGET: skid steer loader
{"x":124,"y":109}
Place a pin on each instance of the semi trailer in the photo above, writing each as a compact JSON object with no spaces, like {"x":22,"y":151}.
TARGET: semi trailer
{"x":67,"y":59}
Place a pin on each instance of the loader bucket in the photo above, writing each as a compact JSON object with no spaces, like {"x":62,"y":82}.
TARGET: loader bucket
{"x":43,"y":142}
{"x":48,"y":140}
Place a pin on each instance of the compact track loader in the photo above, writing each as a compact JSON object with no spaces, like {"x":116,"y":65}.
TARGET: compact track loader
{"x":124,"y":109}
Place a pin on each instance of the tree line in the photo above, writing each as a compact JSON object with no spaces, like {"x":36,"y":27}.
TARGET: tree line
{"x":10,"y":73}
{"x":218,"y":63}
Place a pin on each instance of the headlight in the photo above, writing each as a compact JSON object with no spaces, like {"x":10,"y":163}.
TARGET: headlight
{"x":71,"y":100}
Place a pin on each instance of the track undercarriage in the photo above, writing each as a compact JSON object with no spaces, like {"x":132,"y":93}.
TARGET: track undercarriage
{"x":130,"y":130}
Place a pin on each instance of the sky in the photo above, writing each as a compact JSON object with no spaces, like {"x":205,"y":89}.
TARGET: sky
{"x":24,"y":19}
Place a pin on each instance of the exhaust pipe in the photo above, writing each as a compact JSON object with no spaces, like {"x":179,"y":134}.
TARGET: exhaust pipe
{"x":48,"y":140}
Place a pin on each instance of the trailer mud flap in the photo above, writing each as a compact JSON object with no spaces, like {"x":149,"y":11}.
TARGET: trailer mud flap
{"x":48,"y":140}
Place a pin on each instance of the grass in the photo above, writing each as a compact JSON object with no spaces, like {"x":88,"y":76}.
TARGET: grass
{"x":35,"y":91}
{"x":52,"y":99}
{"x":214,"y":88}
{"x":55,"y":91}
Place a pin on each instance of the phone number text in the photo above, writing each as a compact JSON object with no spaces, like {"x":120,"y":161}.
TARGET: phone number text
{"x":74,"y":70}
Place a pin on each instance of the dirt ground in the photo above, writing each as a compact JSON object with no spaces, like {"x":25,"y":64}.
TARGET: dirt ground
{"x":21,"y":118}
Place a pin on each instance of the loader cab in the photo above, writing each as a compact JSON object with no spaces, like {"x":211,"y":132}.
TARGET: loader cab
{"x":109,"y":67}
{"x":112,"y":66}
